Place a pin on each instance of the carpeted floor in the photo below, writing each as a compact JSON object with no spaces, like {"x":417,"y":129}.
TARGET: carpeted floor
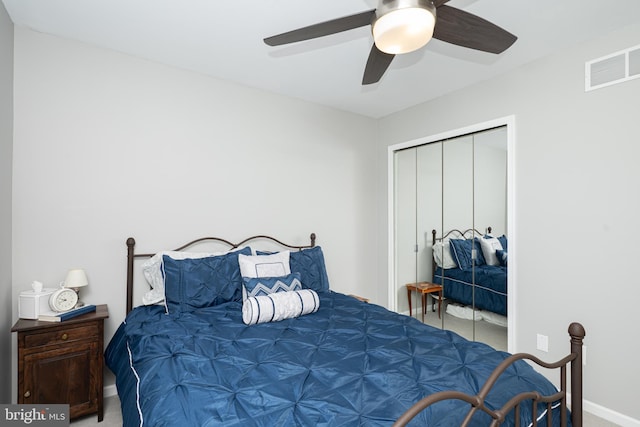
{"x":494,"y":335}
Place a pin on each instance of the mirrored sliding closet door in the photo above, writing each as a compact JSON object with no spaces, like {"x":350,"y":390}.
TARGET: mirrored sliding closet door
{"x":450,"y":213}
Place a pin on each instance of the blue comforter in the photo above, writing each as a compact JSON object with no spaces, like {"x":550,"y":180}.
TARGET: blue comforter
{"x":484,"y":285}
{"x":349,"y":364}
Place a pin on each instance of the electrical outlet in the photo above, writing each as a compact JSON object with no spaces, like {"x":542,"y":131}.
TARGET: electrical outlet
{"x":543,"y":343}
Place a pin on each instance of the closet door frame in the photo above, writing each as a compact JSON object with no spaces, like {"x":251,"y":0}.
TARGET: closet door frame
{"x":509,"y":122}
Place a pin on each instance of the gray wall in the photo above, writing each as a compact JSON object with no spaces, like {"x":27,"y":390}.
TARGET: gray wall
{"x":576,"y":178}
{"x":6,"y":149}
{"x":108,"y":146}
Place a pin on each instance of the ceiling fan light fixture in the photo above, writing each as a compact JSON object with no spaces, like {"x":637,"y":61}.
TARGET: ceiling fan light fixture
{"x":402,"y":26}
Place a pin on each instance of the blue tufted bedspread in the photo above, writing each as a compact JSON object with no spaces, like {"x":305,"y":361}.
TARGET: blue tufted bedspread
{"x":349,"y":364}
{"x":489,"y":292}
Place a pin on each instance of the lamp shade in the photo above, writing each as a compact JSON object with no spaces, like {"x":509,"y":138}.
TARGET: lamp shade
{"x":76,"y":279}
{"x":402,"y":26}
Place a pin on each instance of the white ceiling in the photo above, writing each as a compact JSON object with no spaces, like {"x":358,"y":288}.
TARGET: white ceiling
{"x":224,"y":40}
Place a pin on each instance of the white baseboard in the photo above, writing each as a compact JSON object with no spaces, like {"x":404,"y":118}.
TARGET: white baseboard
{"x":610,"y":415}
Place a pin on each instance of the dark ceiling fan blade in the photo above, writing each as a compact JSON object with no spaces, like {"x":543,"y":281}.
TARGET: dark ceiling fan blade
{"x":438,"y":3}
{"x":377,"y":64}
{"x":322,"y":29}
{"x":465,"y":29}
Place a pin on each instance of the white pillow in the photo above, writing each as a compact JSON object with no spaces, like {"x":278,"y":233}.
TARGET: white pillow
{"x":152,"y":271}
{"x":279,"y":306}
{"x":273,"y":265}
{"x":442,"y":255}
{"x":489,"y":246}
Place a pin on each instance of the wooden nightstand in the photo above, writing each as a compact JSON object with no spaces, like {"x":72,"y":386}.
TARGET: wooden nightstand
{"x":424,"y":288}
{"x":63,"y":362}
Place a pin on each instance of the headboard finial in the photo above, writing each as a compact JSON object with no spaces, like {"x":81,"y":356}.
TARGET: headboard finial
{"x":576,"y":330}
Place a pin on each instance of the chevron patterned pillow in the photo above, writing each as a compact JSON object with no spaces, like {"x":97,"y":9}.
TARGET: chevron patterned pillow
{"x":256,"y":286}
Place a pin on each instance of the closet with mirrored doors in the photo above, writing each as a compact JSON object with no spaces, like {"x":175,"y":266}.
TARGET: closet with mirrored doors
{"x":450,"y":229}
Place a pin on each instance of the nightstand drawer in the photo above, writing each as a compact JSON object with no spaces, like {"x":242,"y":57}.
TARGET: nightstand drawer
{"x":62,"y":335}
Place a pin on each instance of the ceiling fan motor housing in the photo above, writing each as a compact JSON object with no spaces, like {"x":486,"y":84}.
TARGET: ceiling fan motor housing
{"x":402,"y":26}
{"x":387,"y":6}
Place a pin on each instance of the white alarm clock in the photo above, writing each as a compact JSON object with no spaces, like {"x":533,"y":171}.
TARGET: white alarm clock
{"x":63,"y":299}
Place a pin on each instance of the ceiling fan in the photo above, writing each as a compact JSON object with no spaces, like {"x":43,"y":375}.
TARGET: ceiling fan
{"x":402,"y":26}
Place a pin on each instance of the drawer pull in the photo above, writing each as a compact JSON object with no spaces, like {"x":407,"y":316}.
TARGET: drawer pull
{"x":27,"y":393}
{"x":64,"y":336}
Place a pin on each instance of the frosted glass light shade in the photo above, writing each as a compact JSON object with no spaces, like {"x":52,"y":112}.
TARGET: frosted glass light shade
{"x":404,"y":26}
{"x":76,"y":279}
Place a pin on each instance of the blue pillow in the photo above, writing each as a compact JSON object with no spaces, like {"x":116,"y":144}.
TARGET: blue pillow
{"x":310,"y":264}
{"x":191,"y":284}
{"x":502,"y":257}
{"x":503,"y":241}
{"x":461,"y":250}
{"x":256,"y":286}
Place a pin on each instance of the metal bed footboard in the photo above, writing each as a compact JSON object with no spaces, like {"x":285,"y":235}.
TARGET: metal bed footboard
{"x":477,"y":402}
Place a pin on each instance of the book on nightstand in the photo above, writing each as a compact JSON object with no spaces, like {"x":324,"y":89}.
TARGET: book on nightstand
{"x":53,"y":316}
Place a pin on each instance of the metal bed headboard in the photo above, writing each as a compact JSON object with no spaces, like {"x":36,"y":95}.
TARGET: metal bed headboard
{"x":132,"y":256}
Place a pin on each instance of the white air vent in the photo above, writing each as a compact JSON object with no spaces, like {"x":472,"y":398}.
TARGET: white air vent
{"x":611,"y":69}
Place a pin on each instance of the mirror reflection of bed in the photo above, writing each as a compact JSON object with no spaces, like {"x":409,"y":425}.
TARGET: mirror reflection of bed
{"x":471,"y":266}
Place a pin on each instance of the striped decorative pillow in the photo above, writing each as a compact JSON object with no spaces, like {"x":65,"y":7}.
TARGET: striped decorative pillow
{"x":279,"y":306}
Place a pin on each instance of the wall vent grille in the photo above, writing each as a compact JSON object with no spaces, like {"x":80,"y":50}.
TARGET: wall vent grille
{"x":616,"y":68}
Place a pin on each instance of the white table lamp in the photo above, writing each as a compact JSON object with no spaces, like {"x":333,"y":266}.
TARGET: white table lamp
{"x":75,"y":280}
